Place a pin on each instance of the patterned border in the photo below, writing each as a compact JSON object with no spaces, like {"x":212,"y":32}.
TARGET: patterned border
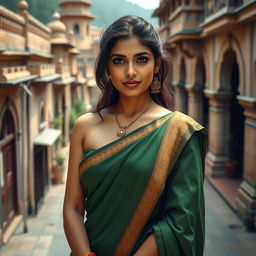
{"x":104,"y":154}
{"x":172,"y":145}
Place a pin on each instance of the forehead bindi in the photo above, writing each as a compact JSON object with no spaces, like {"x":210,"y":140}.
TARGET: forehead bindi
{"x":130,"y":47}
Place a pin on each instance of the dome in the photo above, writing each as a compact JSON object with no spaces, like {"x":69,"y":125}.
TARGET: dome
{"x":58,"y":29}
{"x":56,"y":25}
{"x":23,"y":5}
{"x":88,"y":2}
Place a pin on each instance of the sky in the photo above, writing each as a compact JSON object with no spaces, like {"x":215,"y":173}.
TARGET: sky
{"x":148,"y":4}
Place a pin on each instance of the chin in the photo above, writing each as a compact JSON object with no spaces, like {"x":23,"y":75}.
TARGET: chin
{"x":134,"y":93}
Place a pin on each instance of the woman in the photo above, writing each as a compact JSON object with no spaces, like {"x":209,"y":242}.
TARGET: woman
{"x":140,"y":179}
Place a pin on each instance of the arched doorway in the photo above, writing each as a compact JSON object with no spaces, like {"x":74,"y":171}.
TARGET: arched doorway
{"x":229,"y":81}
{"x":8,"y":184}
{"x":182,"y":95}
{"x":40,"y":164}
{"x":200,"y":84}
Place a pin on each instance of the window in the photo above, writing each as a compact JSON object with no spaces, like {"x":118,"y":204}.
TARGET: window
{"x":87,"y":29}
{"x":76,"y":29}
{"x":42,"y":123}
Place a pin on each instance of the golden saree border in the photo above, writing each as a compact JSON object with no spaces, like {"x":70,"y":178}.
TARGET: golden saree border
{"x":105,"y":153}
{"x":178,"y":132}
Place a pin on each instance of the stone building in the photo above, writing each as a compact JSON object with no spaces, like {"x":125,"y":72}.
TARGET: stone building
{"x":75,"y":14}
{"x":39,"y":80}
{"x":212,"y":46}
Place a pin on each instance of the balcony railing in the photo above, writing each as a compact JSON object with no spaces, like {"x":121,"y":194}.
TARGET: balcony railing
{"x":14,"y":72}
{"x":42,"y":69}
{"x":213,"y":6}
{"x":10,"y":21}
{"x":63,"y":70}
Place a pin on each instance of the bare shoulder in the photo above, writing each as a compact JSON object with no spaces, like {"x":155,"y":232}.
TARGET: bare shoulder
{"x":84,"y":123}
{"x":88,"y":119}
{"x":161,"y":111}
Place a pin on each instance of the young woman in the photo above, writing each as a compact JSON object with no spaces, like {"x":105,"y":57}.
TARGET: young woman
{"x":135,"y":167}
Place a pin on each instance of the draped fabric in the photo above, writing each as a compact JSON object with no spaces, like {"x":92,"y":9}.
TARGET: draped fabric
{"x":151,"y":180}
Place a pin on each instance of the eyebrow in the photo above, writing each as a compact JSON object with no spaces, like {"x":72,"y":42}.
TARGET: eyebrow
{"x":135,"y":55}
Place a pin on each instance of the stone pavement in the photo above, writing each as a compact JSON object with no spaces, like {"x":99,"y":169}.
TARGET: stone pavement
{"x":225,"y":235}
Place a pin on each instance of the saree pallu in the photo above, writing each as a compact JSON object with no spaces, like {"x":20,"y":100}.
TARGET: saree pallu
{"x":151,"y":180}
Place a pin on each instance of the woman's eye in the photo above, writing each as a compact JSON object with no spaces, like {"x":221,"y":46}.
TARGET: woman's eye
{"x":117,"y":60}
{"x":142,"y":59}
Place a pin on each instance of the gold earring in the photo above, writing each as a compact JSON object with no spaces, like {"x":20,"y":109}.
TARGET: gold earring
{"x":155,"y":85}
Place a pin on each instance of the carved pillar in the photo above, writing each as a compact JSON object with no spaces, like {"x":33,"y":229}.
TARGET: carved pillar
{"x":217,"y":155}
{"x":180,"y":99}
{"x":195,"y":103}
{"x":23,"y":8}
{"x":246,"y":200}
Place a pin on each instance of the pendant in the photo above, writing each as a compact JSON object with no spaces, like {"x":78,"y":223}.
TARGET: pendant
{"x":121,"y":132}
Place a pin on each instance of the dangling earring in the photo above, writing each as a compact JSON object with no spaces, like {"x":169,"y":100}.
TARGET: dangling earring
{"x":155,"y":85}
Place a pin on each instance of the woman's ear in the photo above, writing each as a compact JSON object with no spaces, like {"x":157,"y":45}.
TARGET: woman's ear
{"x":158,"y":64}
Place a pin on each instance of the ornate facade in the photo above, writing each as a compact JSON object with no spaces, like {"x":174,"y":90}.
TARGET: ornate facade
{"x":75,"y":14}
{"x":212,"y":49}
{"x":39,"y":80}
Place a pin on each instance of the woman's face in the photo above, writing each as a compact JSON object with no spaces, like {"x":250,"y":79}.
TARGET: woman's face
{"x":131,"y":66}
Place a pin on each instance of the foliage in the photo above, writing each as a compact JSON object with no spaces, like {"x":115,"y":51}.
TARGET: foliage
{"x":60,"y":159}
{"x":77,"y":109}
{"x":107,"y":11}
{"x":10,"y":4}
{"x":58,"y":121}
{"x":41,"y":10}
{"x":104,"y":11}
{"x":60,"y":140}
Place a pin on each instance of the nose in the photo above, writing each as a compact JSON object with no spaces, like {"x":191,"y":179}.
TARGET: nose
{"x":131,"y":72}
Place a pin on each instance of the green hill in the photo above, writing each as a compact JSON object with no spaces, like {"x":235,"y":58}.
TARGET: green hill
{"x":108,"y":11}
{"x":105,"y":11}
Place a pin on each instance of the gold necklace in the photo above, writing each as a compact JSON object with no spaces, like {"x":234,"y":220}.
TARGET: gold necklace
{"x":121,"y":132}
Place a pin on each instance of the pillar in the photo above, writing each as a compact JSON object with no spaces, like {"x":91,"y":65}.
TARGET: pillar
{"x":180,"y":99}
{"x":195,"y":103}
{"x":217,"y":155}
{"x":246,"y":199}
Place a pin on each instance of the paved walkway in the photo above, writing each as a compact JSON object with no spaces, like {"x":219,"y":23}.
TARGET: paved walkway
{"x":225,"y":235}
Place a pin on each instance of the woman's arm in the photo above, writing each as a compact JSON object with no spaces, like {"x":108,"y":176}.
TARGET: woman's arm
{"x":149,"y":247}
{"x":74,"y":200}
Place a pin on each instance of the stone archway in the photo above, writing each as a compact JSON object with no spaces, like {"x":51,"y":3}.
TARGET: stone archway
{"x":9,"y":179}
{"x":229,"y":82}
{"x":198,"y":104}
{"x":225,"y":156}
{"x":200,"y":83}
{"x":228,"y":46}
{"x":181,"y":97}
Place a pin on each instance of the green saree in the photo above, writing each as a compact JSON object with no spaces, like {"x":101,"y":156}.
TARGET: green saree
{"x":151,"y":180}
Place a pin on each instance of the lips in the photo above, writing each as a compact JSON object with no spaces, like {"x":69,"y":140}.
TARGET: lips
{"x":131,"y":84}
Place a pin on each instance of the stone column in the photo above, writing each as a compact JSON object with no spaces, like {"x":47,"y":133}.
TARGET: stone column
{"x":217,"y":155}
{"x":195,"y":103}
{"x":65,"y":111}
{"x":180,"y":99}
{"x":246,"y":199}
{"x":23,"y":10}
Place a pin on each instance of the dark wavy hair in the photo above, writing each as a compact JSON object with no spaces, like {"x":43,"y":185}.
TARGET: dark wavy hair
{"x":126,"y":27}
